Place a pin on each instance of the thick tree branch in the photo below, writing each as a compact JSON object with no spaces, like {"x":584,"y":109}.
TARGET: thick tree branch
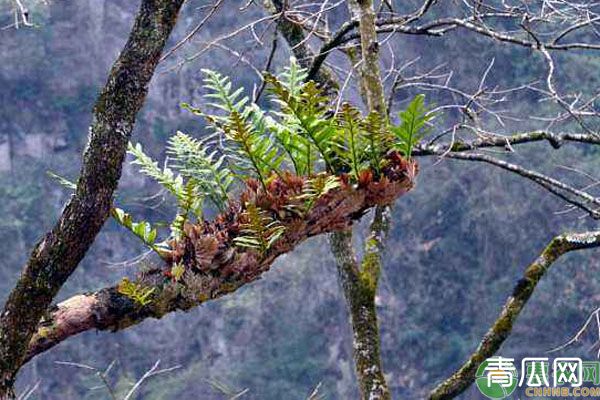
{"x":360,"y":280}
{"x":57,"y":255}
{"x":502,"y":327}
{"x":359,"y":283}
{"x":214,"y":265}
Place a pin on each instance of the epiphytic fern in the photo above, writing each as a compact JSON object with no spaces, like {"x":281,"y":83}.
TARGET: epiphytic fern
{"x":208,"y":171}
{"x":300,"y":133}
{"x":378,"y":140}
{"x":316,"y":187}
{"x":298,"y":149}
{"x":350,"y":150}
{"x":221,"y":94}
{"x":140,"y":294}
{"x":188,"y":194}
{"x":143,"y":230}
{"x":259,"y":231}
{"x":249,"y":147}
{"x":293,"y":77}
{"x":412,"y":126}
{"x":306,"y":116}
{"x":251,"y":151}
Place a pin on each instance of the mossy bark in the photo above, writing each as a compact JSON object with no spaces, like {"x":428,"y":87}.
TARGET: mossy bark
{"x":359,"y":283}
{"x":59,"y":252}
{"x":502,"y":327}
{"x":370,"y":70}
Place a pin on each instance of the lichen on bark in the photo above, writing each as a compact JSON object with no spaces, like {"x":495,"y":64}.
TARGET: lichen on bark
{"x":59,"y":252}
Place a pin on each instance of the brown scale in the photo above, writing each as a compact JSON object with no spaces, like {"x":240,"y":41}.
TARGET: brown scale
{"x":207,"y":247}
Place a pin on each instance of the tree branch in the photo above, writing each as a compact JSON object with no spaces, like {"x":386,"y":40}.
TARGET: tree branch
{"x":214,"y":265}
{"x":360,"y":280}
{"x":57,"y":255}
{"x":576,"y":197}
{"x":294,"y":36}
{"x":556,"y":140}
{"x":502,"y":327}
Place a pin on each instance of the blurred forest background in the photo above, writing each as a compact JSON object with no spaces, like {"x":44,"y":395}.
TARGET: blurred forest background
{"x":459,"y":241}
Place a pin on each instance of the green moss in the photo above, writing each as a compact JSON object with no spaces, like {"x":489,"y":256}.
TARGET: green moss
{"x":503,"y":326}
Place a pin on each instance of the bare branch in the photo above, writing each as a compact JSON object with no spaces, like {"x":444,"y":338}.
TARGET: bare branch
{"x":502,"y":327}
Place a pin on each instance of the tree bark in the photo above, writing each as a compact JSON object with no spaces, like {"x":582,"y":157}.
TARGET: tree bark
{"x":502,"y":326}
{"x":360,"y":281}
{"x":57,"y":255}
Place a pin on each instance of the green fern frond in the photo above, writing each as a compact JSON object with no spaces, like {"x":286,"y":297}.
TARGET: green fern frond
{"x":164,"y":176}
{"x":293,"y":77}
{"x":221,"y":95}
{"x":143,"y":229}
{"x":189,"y":195}
{"x":413,"y":125}
{"x":250,"y":150}
{"x":297,"y":148}
{"x":140,"y":294}
{"x":250,"y":147}
{"x":208,"y":171}
{"x":191,"y":203}
{"x":378,"y":140}
{"x":306,"y":114}
{"x":260,"y":231}
{"x":316,"y":187}
{"x":350,"y":151}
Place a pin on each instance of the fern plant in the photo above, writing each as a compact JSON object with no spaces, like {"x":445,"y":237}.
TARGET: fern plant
{"x":378,"y":140}
{"x":250,"y":150}
{"x":316,"y":187}
{"x":306,"y":116}
{"x":413,"y":125}
{"x":249,"y":147}
{"x":350,"y":150}
{"x":293,"y":77}
{"x":260,"y":231}
{"x":137,"y":292}
{"x":208,"y":171}
{"x":299,"y":133}
{"x":143,"y":229}
{"x":188,"y":194}
{"x":221,"y":95}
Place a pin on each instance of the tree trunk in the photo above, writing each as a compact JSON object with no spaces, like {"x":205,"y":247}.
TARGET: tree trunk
{"x":360,"y":286}
{"x":57,"y":255}
{"x":362,"y":310}
{"x":359,"y":282}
